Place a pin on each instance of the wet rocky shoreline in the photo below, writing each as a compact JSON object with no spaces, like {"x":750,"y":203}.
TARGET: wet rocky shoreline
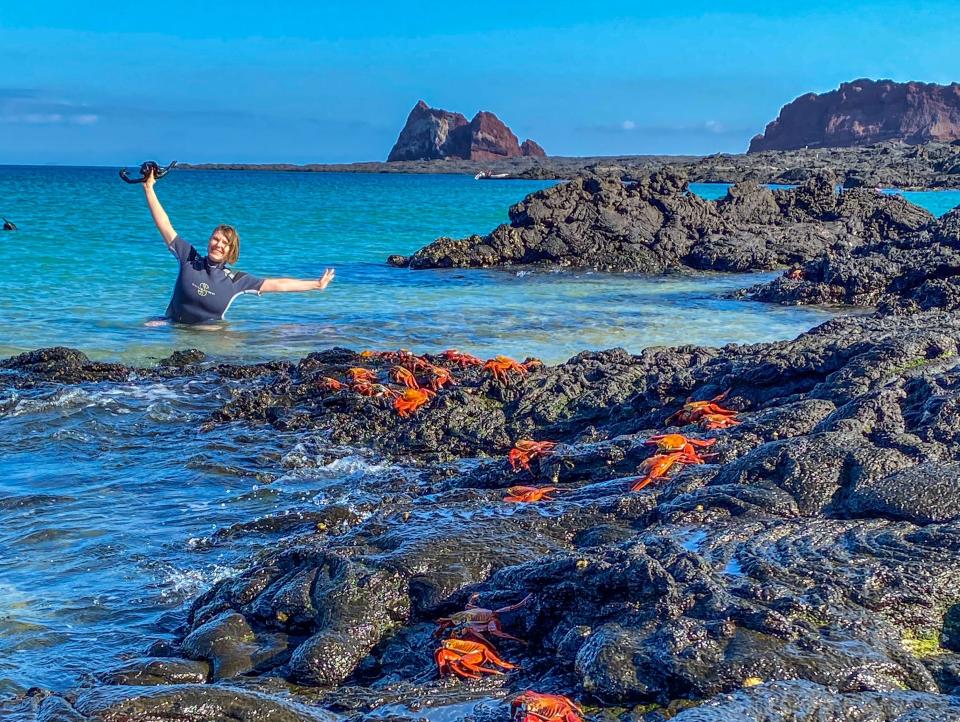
{"x":811,"y":566}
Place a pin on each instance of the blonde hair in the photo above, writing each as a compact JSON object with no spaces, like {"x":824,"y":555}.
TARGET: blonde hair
{"x":233,"y":238}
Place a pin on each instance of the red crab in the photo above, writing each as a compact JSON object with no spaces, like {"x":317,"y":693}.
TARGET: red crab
{"x":693,"y":411}
{"x":365,"y":388}
{"x":460,"y":359}
{"x":500,"y":366}
{"x":479,"y":621}
{"x":359,"y":375}
{"x":330,"y":384}
{"x":529,"y":494}
{"x":668,"y":443}
{"x":711,"y":422}
{"x":657,"y":466}
{"x":404,"y":376}
{"x":411,"y":400}
{"x":536,"y":707}
{"x":526,"y":450}
{"x":466,"y":657}
{"x":441,"y":377}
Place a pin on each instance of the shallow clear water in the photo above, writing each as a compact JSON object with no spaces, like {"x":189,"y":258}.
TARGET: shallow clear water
{"x":111,"y":502}
{"x":87,"y":269}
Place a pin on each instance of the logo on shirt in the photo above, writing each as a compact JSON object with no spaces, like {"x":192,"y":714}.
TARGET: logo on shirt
{"x":203,"y":290}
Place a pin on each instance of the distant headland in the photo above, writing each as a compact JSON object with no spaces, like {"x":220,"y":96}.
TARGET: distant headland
{"x":866,"y":132}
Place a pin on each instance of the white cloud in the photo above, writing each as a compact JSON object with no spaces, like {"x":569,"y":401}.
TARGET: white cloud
{"x":628,"y":125}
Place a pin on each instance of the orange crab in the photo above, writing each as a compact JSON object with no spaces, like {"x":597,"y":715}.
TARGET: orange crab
{"x":365,"y":388}
{"x":466,"y":657}
{"x":500,"y":366}
{"x":711,"y":422}
{"x":693,"y":411}
{"x":411,"y":361}
{"x":528,"y":494}
{"x":530,"y":363}
{"x":404,"y":376}
{"x":657,"y":466}
{"x":328,"y":383}
{"x":794,"y":274}
{"x":441,"y":377}
{"x":526,"y":450}
{"x":358,"y":375}
{"x":479,"y":621}
{"x":461,"y":359}
{"x":678,"y":442}
{"x":535,"y":707}
{"x":411,"y":400}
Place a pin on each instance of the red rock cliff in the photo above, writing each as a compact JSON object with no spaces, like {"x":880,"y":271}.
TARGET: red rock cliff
{"x":865,"y":112}
{"x":431,"y":133}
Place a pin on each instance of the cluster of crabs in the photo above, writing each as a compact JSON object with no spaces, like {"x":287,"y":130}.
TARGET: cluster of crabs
{"x":468,"y":654}
{"x":418,"y":377}
{"x":672,"y":449}
{"x":466,"y":651}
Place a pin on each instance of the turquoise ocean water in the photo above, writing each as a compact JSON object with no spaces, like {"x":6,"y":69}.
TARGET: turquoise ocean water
{"x":114,"y":511}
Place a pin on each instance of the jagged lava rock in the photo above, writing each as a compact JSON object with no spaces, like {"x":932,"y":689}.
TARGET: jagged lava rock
{"x":655,"y":224}
{"x":864,"y":112}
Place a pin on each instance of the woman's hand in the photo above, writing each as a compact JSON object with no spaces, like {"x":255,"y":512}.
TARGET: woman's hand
{"x":287,"y":285}
{"x":150,"y":180}
{"x":325,"y":279}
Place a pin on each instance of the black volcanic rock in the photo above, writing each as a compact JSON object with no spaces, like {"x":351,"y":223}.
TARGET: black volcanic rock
{"x":864,"y":112}
{"x":898,"y":272}
{"x":808,"y":568}
{"x":655,"y":224}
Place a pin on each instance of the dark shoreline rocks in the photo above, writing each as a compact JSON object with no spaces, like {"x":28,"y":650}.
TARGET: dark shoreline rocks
{"x":811,"y":565}
{"x":916,"y":271}
{"x":887,"y":164}
{"x":656,"y":225}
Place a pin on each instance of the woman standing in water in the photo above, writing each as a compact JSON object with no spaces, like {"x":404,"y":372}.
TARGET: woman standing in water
{"x":206,"y":286}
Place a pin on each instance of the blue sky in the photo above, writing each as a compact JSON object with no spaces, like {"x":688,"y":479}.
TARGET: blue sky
{"x":112,"y":83}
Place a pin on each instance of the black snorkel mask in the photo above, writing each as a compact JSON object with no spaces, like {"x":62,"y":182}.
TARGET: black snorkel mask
{"x":145,"y":168}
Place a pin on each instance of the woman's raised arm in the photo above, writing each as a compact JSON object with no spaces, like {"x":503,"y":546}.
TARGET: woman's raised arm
{"x":275,"y":285}
{"x":160,"y":218}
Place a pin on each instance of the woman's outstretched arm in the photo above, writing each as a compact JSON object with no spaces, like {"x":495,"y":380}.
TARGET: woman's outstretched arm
{"x":280,"y":285}
{"x":160,"y":218}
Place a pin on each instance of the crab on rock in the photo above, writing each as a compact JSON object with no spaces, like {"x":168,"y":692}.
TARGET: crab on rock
{"x":528,"y":494}
{"x":657,"y":466}
{"x":526,"y":450}
{"x":479,"y":621}
{"x":466,"y":658}
{"x":693,"y":411}
{"x":669,"y":443}
{"x":460,"y":359}
{"x":411,"y":400}
{"x":500,"y":366}
{"x":536,"y":707}
{"x":404,"y":376}
{"x":360,"y":375}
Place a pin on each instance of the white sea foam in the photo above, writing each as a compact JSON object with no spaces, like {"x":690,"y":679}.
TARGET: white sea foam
{"x":179,"y":584}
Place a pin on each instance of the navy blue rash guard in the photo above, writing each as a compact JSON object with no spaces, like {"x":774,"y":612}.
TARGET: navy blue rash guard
{"x":204,"y":289}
